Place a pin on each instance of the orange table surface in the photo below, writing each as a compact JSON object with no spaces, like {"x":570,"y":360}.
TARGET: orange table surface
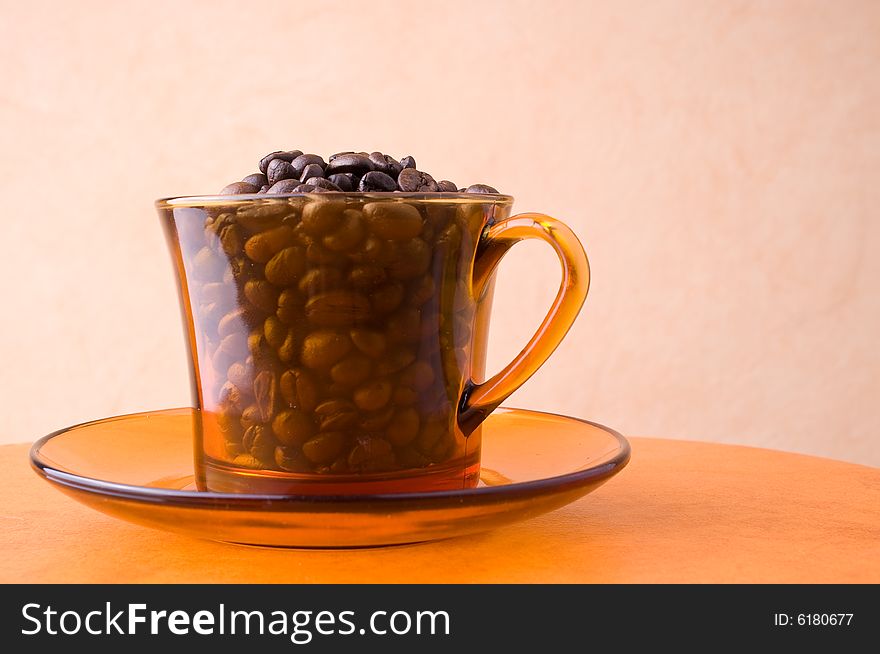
{"x":680,"y":512}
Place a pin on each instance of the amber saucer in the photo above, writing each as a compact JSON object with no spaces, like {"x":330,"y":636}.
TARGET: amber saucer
{"x":139,"y":468}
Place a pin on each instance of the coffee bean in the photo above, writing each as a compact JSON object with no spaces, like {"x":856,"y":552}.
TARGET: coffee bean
{"x":321,"y":216}
{"x":348,"y":234}
{"x":334,"y":415}
{"x":290,"y":306}
{"x":372,"y":421}
{"x":404,"y":427}
{"x":321,"y":279}
{"x":299,"y":388}
{"x":279,"y":169}
{"x":350,"y":163}
{"x":375,"y":181}
{"x":293,"y":427}
{"x":366,"y":276}
{"x":284,"y":186}
{"x":322,"y":348}
{"x":411,"y":180}
{"x":324,"y":183}
{"x":407,"y":162}
{"x":257,"y":179}
{"x":387,"y":297}
{"x":288,"y":459}
{"x":343,"y":181}
{"x":312,"y":170}
{"x":480,"y":188}
{"x":238,"y":188}
{"x":263,"y":246}
{"x":299,"y":164}
{"x":288,"y":155}
{"x":351,"y":371}
{"x":369,"y":342}
{"x":338,"y":309}
{"x":287,"y":266}
{"x":261,"y":294}
{"x":371,"y":454}
{"x":445,"y":186}
{"x":324,"y":447}
{"x":393,"y":220}
{"x":414,"y":257}
{"x":386,"y":164}
{"x":373,"y":395}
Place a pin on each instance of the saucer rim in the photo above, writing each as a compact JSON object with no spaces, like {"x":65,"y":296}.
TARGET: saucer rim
{"x":263,"y":502}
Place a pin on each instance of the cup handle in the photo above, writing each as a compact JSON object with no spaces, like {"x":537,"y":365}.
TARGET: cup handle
{"x":479,"y":400}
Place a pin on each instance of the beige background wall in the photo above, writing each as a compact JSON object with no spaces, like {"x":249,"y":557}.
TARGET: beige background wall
{"x":720,"y":160}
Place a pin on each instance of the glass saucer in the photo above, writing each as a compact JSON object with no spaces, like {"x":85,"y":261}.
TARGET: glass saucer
{"x":139,"y":468}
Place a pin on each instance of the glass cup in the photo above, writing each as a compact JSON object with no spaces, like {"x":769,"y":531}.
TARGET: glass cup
{"x":338,"y":341}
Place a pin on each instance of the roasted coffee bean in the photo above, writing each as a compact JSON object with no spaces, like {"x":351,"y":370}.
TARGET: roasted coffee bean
{"x":375,"y":181}
{"x":305,"y":188}
{"x":238,"y":188}
{"x":407,"y":162}
{"x":323,"y":183}
{"x":231,"y":240}
{"x":419,"y":376}
{"x":288,"y":459}
{"x":317,"y":253}
{"x":322,"y":348}
{"x":351,"y":371}
{"x":404,"y":326}
{"x":285,"y":155}
{"x":366,"y":276}
{"x":230,"y":323}
{"x":371,"y":454}
{"x":259,"y":442}
{"x":239,"y":374}
{"x":335,"y":415}
{"x":337,"y":309}
{"x":264,"y":188}
{"x":261,"y":294}
{"x":411,"y":180}
{"x":290,"y":306}
{"x":445,"y":186}
{"x":393,"y":220}
{"x":299,"y":388}
{"x":369,"y":342}
{"x":395,"y":361}
{"x":421,"y":290}
{"x":312,"y":170}
{"x":207,"y":266}
{"x":386,"y":164}
{"x":299,"y":164}
{"x":251,"y":416}
{"x":293,"y":427}
{"x":343,"y":181}
{"x":387,"y":298}
{"x":265,"y":388}
{"x":287,"y":266}
{"x":320,"y":216}
{"x":372,"y":421}
{"x":263,"y":246}
{"x":350,"y":163}
{"x":480,"y":188}
{"x":259,"y":180}
{"x":404,"y":396}
{"x":275,"y":331}
{"x":413,"y":259}
{"x":347,"y":236}
{"x":373,"y":395}
{"x":278,"y":170}
{"x":319,"y":280}
{"x":284,"y":186}
{"x":289,"y":349}
{"x":324,"y":447}
{"x":403,"y":428}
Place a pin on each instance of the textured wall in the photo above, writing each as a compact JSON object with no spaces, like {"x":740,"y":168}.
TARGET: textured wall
{"x":720,"y":160}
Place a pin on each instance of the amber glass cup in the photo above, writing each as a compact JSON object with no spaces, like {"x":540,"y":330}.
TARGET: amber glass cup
{"x":338,"y":341}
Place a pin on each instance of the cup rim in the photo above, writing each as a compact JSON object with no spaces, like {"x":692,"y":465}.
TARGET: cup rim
{"x":263,"y":198}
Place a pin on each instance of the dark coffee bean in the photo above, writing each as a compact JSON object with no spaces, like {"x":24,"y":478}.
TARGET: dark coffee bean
{"x":343,"y":181}
{"x":385,"y":163}
{"x":350,"y":163}
{"x":284,"y":186}
{"x":411,"y":180}
{"x":279,"y":169}
{"x":286,"y":155}
{"x":263,"y":188}
{"x":257,"y":179}
{"x":323,"y":182}
{"x":480,"y":188}
{"x":312,"y":170}
{"x":303,"y":188}
{"x":446,"y":186}
{"x":376,"y":181}
{"x":407,"y":162}
{"x":339,"y":154}
{"x":299,"y":164}
{"x":237,"y":188}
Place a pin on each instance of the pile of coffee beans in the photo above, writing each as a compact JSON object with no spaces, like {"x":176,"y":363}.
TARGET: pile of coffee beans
{"x":333,"y":329}
{"x":291,"y":171}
